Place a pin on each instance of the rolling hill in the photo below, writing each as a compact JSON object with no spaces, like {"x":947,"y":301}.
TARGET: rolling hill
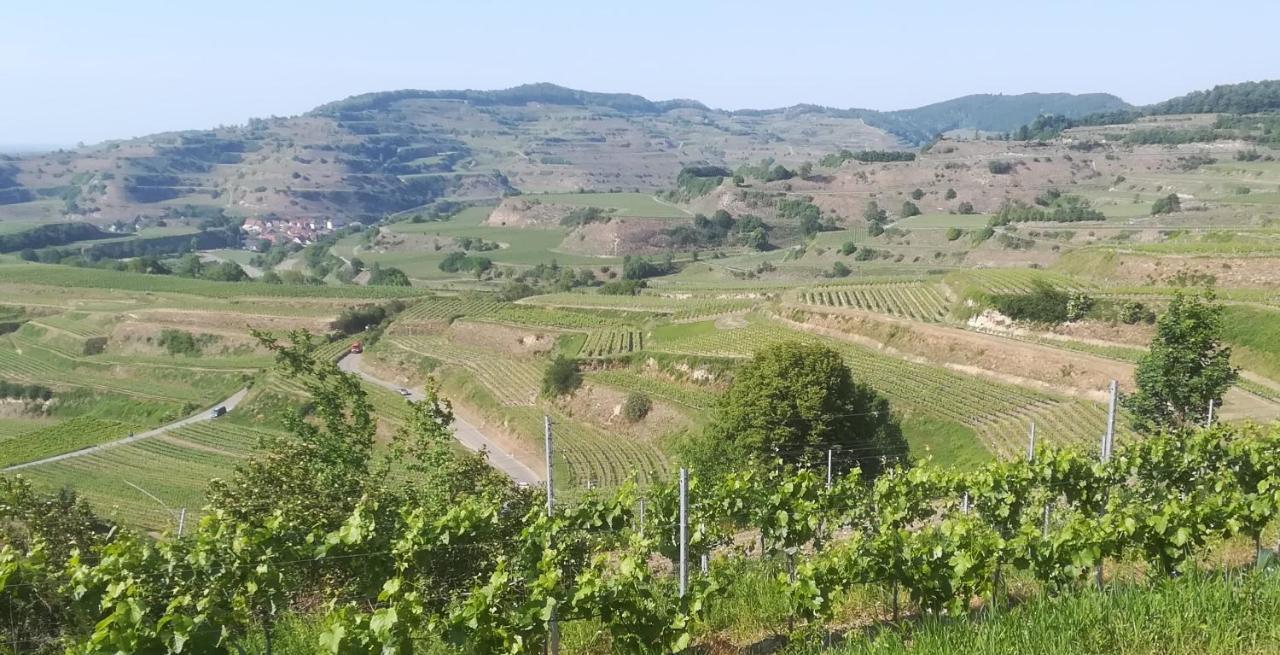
{"x":378,"y":153}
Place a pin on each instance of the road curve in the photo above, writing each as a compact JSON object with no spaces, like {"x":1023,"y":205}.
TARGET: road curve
{"x":467,"y":434}
{"x":229,"y":403}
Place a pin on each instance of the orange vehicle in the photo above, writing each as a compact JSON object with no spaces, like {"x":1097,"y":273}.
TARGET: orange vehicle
{"x":356,"y":348}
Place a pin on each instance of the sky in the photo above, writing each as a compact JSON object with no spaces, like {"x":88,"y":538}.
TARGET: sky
{"x":86,"y":71}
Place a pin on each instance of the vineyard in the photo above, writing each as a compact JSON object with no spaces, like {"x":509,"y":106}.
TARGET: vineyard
{"x":512,"y":381}
{"x":688,"y":396}
{"x":604,"y":343}
{"x":921,"y":302}
{"x":989,"y":407}
{"x":146,"y":483}
{"x":69,"y":435}
{"x":626,"y":563}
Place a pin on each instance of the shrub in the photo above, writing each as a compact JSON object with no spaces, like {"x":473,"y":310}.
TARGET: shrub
{"x":848,"y":247}
{"x":966,"y":208}
{"x":950,"y":194}
{"x":998,"y":167}
{"x":636,"y":407}
{"x":1166,"y":205}
{"x":954,"y":233}
{"x":838,"y":269}
{"x":917,"y":194}
{"x":1134,"y":312}
{"x":910,"y":209}
{"x":561,"y":377}
{"x":1043,"y":304}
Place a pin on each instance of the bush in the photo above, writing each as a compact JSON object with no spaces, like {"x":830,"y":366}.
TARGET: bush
{"x":848,"y":247}
{"x":950,"y":194}
{"x":1134,"y":312}
{"x":998,"y":167}
{"x":838,"y":269}
{"x":561,"y":377}
{"x":954,"y":233}
{"x":1166,"y":205}
{"x":909,"y":209}
{"x":917,"y":194}
{"x":387,"y":277}
{"x":966,"y":208}
{"x":622,"y":287}
{"x":1044,"y":304}
{"x":636,"y":407}
{"x":181,"y":342}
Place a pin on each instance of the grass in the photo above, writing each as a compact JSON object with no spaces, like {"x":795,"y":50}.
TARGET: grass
{"x":1197,"y":615}
{"x":521,"y":246}
{"x":1254,"y":334}
{"x":623,"y":204}
{"x":944,"y":440}
{"x":962,"y":221}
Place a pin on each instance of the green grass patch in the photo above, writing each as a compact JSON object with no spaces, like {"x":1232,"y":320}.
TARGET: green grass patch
{"x":1195,"y":615}
{"x":1254,"y":334}
{"x":623,"y":204}
{"x":947,"y":442}
{"x":963,"y":221}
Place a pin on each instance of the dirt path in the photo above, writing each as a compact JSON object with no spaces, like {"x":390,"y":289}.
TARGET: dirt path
{"x":660,"y":201}
{"x":205,"y":415}
{"x":466,"y":433}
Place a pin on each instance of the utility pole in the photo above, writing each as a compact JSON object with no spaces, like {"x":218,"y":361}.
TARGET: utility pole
{"x":1108,"y":439}
{"x":829,"y":457}
{"x":684,"y":531}
{"x":553,"y":626}
{"x":1209,"y":422}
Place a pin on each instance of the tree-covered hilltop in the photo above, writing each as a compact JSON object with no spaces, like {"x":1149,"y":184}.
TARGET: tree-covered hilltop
{"x":1243,"y":98}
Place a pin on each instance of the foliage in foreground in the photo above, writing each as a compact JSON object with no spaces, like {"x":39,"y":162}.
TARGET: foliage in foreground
{"x":451,"y":554}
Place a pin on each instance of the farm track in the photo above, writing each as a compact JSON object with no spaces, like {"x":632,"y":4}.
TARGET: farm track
{"x":467,"y":434}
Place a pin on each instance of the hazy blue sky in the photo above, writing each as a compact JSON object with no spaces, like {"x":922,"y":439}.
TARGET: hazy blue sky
{"x":80,"y":70}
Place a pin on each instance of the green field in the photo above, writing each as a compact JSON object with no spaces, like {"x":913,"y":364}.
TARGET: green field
{"x":938,"y":221}
{"x":520,"y":246}
{"x":623,"y":204}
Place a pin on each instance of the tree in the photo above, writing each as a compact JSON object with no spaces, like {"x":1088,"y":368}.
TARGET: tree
{"x":965,"y":207}
{"x":873,"y":214}
{"x":954,"y":233}
{"x":910,"y":209}
{"x":848,"y":247}
{"x":839,"y":269}
{"x":1166,"y":205}
{"x":1186,"y":367}
{"x":389,"y":276}
{"x":796,"y":401}
{"x":917,"y":194}
{"x":950,"y":194}
{"x":561,"y":377}
{"x":226,"y":272}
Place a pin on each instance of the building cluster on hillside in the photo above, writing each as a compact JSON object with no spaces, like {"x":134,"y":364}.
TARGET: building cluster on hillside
{"x":299,"y":230}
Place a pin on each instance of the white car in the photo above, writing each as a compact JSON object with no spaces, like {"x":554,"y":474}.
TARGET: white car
{"x":404,"y":392}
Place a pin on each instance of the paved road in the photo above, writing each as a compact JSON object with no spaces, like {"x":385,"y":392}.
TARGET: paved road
{"x":466,"y":434}
{"x":229,"y":403}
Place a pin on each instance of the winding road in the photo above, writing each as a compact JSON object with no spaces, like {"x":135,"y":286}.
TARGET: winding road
{"x":467,"y":434}
{"x":204,"y":415}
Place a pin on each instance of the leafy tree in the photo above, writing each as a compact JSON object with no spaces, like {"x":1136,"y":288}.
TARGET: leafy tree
{"x":875,"y":230}
{"x":388,"y":276}
{"x":513,"y":291}
{"x":873,"y":214}
{"x":917,"y":194}
{"x":839,"y":269}
{"x":950,"y":194}
{"x":796,"y":401}
{"x":1166,"y":205}
{"x":954,"y":233}
{"x":226,"y":272}
{"x":561,"y":377}
{"x":622,"y":287}
{"x":1186,"y":367}
{"x":848,"y":247}
{"x":909,"y":209}
{"x":966,"y":208}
